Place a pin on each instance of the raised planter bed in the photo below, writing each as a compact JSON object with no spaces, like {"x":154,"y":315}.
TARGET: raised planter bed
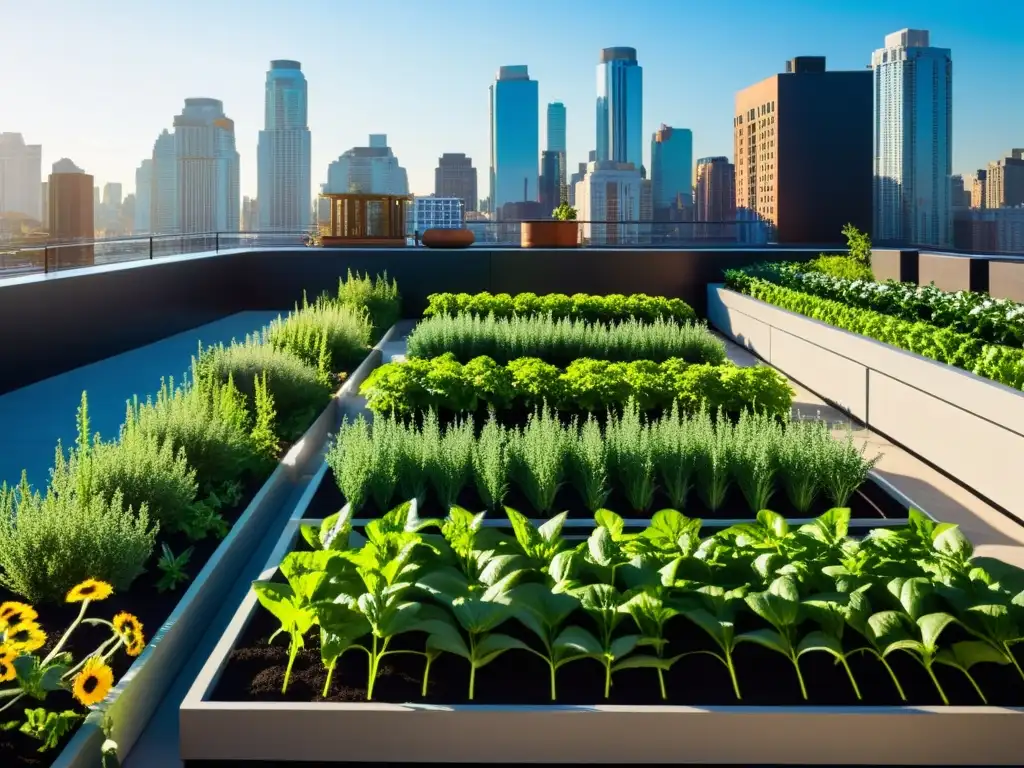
{"x":942,"y":414}
{"x":229,"y":715}
{"x":876,"y":503}
{"x":140,"y":690}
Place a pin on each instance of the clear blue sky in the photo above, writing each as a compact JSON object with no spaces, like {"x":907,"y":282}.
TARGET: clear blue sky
{"x":97,"y":80}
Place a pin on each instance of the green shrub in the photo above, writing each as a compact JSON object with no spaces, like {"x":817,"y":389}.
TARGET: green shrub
{"x":580,"y":306}
{"x":843,"y":267}
{"x":1002,"y":364}
{"x":81,"y":528}
{"x":208,"y":420}
{"x":422,"y":384}
{"x":299,"y":390}
{"x":377,"y":295}
{"x":561,"y":341}
{"x":340,"y":331}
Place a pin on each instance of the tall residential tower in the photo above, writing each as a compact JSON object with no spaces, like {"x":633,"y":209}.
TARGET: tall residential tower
{"x":620,"y":103}
{"x":515,"y":138}
{"x":284,"y":184}
{"x":913,"y":145}
{"x":207,"y":166}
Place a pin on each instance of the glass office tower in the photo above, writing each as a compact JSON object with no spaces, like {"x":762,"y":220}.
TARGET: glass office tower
{"x":620,"y":101}
{"x":515,"y":137}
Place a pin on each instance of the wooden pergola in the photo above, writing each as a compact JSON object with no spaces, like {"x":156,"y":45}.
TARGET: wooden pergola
{"x":365,"y":219}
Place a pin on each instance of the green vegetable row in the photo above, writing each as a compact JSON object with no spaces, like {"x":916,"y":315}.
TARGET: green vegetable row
{"x":998,"y":363}
{"x":183,"y":457}
{"x":561,"y":341}
{"x":611,"y":598}
{"x":579,"y":306}
{"x":684,"y":456}
{"x":588,"y":385}
{"x":996,"y":321}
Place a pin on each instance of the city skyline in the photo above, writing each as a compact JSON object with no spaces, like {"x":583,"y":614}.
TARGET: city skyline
{"x":559,"y":56}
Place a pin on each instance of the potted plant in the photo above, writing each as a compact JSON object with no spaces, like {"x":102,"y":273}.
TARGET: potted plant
{"x":561,"y":231}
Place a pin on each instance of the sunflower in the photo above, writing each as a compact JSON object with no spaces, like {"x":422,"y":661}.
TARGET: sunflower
{"x":93,"y":683}
{"x":130,"y":629}
{"x":134,"y":648}
{"x":12,"y":613}
{"x":25,"y":637}
{"x":7,"y":657}
{"x":90,"y":589}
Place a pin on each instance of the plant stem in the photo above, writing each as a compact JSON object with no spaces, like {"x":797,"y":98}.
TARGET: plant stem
{"x":330,"y":674}
{"x":472,"y":664}
{"x":928,"y":668}
{"x":976,"y":687}
{"x":553,"y":668}
{"x":607,"y":676}
{"x":12,"y":701}
{"x":1013,"y":659}
{"x":799,"y":675}
{"x":426,"y":675}
{"x":732,"y":675}
{"x":293,"y":650}
{"x":67,"y":633}
{"x":849,"y":673}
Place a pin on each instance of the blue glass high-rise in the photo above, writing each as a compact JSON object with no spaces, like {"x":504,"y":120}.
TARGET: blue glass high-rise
{"x":671,"y":166}
{"x":284,"y":183}
{"x":620,"y":106}
{"x":556,"y":127}
{"x":515,"y":137}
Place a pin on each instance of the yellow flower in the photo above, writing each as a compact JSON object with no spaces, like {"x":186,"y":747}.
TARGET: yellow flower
{"x":12,"y":613}
{"x":25,"y":637}
{"x":130,"y":629}
{"x":90,"y":589}
{"x":7,"y":657}
{"x":93,"y":683}
{"x":135,"y":647}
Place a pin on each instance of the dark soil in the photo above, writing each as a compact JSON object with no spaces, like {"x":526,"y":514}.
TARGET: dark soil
{"x":869,"y":502}
{"x":255,"y":672}
{"x":142,"y":599}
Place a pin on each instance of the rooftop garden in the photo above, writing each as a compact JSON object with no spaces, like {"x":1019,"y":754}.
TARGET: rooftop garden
{"x":93,"y":564}
{"x":545,"y":480}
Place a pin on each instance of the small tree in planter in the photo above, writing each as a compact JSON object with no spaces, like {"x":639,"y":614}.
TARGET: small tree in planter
{"x":561,"y":231}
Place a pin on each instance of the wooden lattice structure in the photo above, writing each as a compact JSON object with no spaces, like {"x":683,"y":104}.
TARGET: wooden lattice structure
{"x":364,"y":219}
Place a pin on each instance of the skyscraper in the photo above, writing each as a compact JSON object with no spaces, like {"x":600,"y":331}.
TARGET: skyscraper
{"x":979,"y":189}
{"x":455,"y":177}
{"x":802,"y":146}
{"x":284,"y":183}
{"x":207,"y":164}
{"x":609,"y":200}
{"x":71,"y":213}
{"x":515,"y":137}
{"x":620,"y":94}
{"x":21,"y":174}
{"x":164,"y":204}
{"x":552,"y":176}
{"x":373,"y":169}
{"x":143,"y":198}
{"x":1005,"y":181}
{"x":556,"y":127}
{"x":913,"y":147}
{"x":671,"y":168}
{"x":715,"y":190}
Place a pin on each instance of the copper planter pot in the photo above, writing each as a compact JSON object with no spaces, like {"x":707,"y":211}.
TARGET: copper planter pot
{"x":448,"y":238}
{"x":549,"y":234}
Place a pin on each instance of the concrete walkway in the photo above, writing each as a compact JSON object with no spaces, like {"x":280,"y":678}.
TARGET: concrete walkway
{"x":33,"y":418}
{"x":992,"y":533}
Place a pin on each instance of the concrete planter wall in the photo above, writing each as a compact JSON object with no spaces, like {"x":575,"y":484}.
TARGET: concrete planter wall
{"x":138,"y":694}
{"x":953,"y":273}
{"x":282,"y":733}
{"x":941,"y":413}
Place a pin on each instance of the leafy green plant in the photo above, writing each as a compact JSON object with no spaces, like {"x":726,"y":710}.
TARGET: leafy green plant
{"x":378,"y":296}
{"x":714,"y":609}
{"x":350,"y":457}
{"x":588,"y":462}
{"x":715,"y":462}
{"x":676,"y":451}
{"x":780,"y":606}
{"x":631,"y":451}
{"x":538,"y":458}
{"x":564,"y":212}
{"x":603,"y":603}
{"x":754,"y":458}
{"x":843,"y":267}
{"x":490,"y":455}
{"x":846,"y":469}
{"x":326,"y":334}
{"x":173,"y":568}
{"x":560,"y":341}
{"x":559,"y":305}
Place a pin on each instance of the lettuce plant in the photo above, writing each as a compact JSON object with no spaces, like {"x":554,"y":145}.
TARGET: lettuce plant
{"x":602,"y":602}
{"x":714,"y":610}
{"x":650,"y":613}
{"x":780,"y":606}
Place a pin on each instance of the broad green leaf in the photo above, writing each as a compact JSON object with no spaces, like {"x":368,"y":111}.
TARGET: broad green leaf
{"x":529,"y":538}
{"x":446,"y":638}
{"x":599,"y":597}
{"x":774,"y":522}
{"x":820,"y":641}
{"x":537,"y":601}
{"x":1010,"y":577}
{"x":931,"y":626}
{"x":994,"y":621}
{"x":623,"y":646}
{"x":965,"y":655}
{"x":722,"y":632}
{"x":953,"y":543}
{"x":768,"y":638}
{"x":668,"y":526}
{"x":552,"y":529}
{"x":503,"y":586}
{"x":911,"y":593}
{"x":281,"y":601}
{"x":497,"y":567}
{"x":605,"y":518}
{"x":563,"y":565}
{"x":828,"y":528}
{"x":886,"y":627}
{"x":492,"y":646}
{"x":311,"y":535}
{"x":478,"y":616}
{"x":575,"y":641}
{"x":602,"y":549}
{"x":644,"y":661}
{"x":340,"y":627}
